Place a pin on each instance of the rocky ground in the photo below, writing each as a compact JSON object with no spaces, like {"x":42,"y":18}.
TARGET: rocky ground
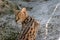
{"x":41,"y":10}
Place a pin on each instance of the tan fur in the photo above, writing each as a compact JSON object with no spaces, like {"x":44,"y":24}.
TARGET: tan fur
{"x":29,"y":25}
{"x":22,"y":15}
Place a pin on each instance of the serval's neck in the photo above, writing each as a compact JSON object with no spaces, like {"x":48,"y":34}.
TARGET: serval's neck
{"x":29,"y":20}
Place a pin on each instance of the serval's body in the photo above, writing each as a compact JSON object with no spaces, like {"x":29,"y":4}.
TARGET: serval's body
{"x":29,"y":25}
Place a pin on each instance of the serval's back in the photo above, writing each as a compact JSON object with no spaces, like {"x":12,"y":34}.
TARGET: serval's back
{"x":29,"y":25}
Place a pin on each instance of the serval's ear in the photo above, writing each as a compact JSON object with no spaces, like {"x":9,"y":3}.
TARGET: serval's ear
{"x":16,"y":11}
{"x":24,"y":11}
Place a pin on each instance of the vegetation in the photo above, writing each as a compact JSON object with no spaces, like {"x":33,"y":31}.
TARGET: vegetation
{"x":7,"y":32}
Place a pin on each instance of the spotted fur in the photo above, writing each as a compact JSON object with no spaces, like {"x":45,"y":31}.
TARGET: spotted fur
{"x":29,"y":25}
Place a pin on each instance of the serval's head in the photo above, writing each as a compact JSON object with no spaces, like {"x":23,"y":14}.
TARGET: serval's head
{"x":21,"y":15}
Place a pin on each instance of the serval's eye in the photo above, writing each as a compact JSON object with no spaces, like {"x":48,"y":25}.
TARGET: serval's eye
{"x":23,"y":12}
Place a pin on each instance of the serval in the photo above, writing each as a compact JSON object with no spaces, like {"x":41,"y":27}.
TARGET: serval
{"x":29,"y":25}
